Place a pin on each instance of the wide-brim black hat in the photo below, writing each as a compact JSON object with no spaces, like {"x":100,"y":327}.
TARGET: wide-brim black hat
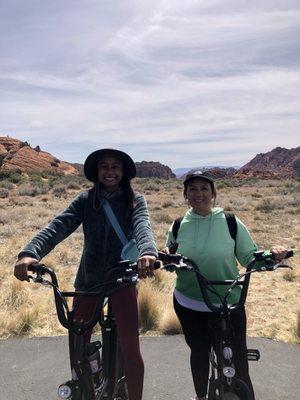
{"x":90,"y":167}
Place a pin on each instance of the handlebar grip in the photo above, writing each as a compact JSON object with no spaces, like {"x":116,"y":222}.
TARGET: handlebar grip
{"x":289,"y":254}
{"x":37,"y":268}
{"x":169,"y":258}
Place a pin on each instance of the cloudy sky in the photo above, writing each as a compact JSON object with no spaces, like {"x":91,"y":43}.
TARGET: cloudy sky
{"x":187,"y":83}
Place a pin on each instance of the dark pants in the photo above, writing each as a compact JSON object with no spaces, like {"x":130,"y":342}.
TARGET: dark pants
{"x":195,"y":326}
{"x":125,"y":310}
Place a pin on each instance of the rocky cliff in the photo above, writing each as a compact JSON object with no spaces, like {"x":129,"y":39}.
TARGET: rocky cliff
{"x":18,"y":155}
{"x":216,"y":172}
{"x":279,"y":163}
{"x":152,"y":169}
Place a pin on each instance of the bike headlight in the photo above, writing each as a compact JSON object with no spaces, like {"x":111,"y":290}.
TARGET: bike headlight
{"x":229,"y":372}
{"x":64,"y":391}
{"x":227,"y":353}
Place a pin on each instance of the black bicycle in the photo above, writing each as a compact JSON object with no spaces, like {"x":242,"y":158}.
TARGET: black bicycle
{"x":224,"y":382}
{"x":97,"y":368}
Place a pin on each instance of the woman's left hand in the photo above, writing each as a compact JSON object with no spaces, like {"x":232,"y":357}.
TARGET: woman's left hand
{"x":146,"y":266}
{"x":279,"y":252}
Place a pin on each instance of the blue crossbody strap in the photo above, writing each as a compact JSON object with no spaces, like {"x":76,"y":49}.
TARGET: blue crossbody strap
{"x":114,"y":222}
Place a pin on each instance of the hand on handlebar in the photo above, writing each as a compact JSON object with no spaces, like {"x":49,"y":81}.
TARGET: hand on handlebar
{"x":146,"y":266}
{"x":165,"y":250}
{"x":21,"y":267}
{"x":278,"y":252}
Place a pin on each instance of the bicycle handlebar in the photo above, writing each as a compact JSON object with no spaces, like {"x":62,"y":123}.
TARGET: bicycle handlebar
{"x":125,"y":272}
{"x":179,"y":262}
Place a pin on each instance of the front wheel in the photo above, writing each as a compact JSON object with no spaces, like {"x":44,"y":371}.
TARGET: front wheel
{"x":237,"y":390}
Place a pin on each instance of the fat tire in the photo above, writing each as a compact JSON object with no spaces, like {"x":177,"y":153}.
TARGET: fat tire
{"x":239,"y":390}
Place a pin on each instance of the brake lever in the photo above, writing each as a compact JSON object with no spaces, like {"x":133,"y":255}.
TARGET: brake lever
{"x":128,"y":279}
{"x":275,"y":266}
{"x":39,"y":279}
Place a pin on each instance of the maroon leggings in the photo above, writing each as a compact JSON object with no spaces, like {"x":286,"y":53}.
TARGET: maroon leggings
{"x":125,"y":310}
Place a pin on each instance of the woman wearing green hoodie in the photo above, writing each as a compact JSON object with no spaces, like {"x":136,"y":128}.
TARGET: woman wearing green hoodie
{"x":204,"y":237}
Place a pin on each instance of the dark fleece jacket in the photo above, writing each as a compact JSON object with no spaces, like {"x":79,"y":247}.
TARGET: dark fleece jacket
{"x":102,"y":247}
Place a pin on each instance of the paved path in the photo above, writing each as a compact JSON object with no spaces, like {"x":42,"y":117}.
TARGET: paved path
{"x":32,"y":369}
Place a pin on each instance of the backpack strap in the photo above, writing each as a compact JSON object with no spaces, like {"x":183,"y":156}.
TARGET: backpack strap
{"x":232,"y":226}
{"x":176,"y":226}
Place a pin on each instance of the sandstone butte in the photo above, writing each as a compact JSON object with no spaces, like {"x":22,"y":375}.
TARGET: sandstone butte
{"x":16,"y":155}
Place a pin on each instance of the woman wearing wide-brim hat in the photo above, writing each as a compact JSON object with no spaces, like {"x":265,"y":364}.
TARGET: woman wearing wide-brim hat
{"x":111,"y":172}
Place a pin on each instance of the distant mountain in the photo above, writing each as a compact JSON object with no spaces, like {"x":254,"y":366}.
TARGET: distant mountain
{"x":152,"y":169}
{"x":215,"y":172}
{"x":18,"y":155}
{"x":181,"y":172}
{"x":278,"y":163}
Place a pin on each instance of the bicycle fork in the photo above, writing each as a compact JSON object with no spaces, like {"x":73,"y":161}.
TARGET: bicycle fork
{"x":85,"y":367}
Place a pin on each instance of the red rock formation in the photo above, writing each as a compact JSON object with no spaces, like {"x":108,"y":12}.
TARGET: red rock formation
{"x":18,"y":155}
{"x":215,"y":172}
{"x":151,"y":169}
{"x":279,"y":163}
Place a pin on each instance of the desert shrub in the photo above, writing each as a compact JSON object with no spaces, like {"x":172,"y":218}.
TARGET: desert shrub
{"x":28,"y":190}
{"x":36,"y":178}
{"x":60,"y":191}
{"x":289,"y":276}
{"x":148,"y":307}
{"x":169,"y":324}
{"x":6,"y":184}
{"x":12,"y":176}
{"x":163,"y":217}
{"x":73,"y":185}
{"x":4,"y":193}
{"x":152,"y":187}
{"x":256,"y":195}
{"x":28,"y":321}
{"x":223,"y":184}
{"x":4,"y":218}
{"x":266,"y":205}
{"x":245,"y":182}
{"x":167,"y":204}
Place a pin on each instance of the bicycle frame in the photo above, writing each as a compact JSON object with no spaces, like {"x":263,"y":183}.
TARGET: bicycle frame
{"x":224,"y":382}
{"x":110,"y":382}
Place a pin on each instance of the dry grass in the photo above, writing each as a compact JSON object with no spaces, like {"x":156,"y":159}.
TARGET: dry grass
{"x":270,"y":209}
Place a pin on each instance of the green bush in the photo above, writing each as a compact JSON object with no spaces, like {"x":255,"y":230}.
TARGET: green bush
{"x":6,"y":185}
{"x":4,"y":193}
{"x":223,"y":184}
{"x":28,"y":190}
{"x":12,"y":176}
{"x":73,"y":185}
{"x":265,"y":206}
{"x":163,"y":217}
{"x":60,"y":191}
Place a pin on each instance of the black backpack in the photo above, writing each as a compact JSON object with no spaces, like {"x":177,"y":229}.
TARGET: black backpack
{"x":231,"y":222}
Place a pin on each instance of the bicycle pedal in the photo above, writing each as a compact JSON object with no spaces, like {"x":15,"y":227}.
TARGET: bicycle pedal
{"x":253,"y":355}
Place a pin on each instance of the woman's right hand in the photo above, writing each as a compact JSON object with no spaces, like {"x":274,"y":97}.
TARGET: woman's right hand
{"x":21,"y":267}
{"x":165,"y":250}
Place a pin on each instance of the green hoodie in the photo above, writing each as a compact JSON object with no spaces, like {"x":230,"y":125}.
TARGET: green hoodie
{"x":207,"y":241}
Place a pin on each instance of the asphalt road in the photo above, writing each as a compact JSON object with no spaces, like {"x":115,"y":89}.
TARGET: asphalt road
{"x":32,"y":369}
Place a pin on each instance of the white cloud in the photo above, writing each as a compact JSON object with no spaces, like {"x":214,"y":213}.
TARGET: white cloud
{"x":161,"y":79}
